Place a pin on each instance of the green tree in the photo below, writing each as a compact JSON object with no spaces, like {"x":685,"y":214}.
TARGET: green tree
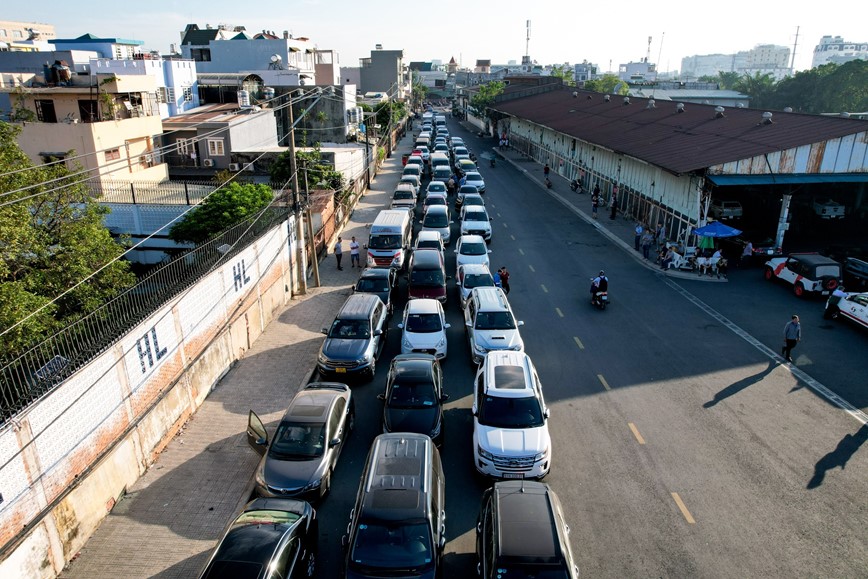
{"x":484,"y":98}
{"x":829,"y":88}
{"x":419,"y":91}
{"x":52,"y":239}
{"x":222,"y":209}
{"x":564,"y":73}
{"x":759,"y":87}
{"x":605,"y":84}
{"x":390,"y":112}
{"x":310,"y":163}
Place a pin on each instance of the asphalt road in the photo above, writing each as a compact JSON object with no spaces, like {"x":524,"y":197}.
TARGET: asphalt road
{"x":680,"y":447}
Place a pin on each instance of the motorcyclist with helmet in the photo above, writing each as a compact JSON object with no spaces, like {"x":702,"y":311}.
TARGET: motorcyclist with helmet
{"x":599,"y":284}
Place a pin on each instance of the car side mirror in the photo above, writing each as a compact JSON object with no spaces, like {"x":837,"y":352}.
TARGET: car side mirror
{"x":491,"y":218}
{"x":378,"y":332}
{"x":479,"y":526}
{"x":547,"y":413}
{"x":447,"y":326}
{"x":325,"y":331}
{"x":334,"y":442}
{"x":444,"y":397}
{"x":489,"y":251}
{"x":468,"y":323}
{"x":262,"y":441}
{"x":520,"y":323}
{"x":473,"y":410}
{"x":442,"y":542}
{"x":455,"y":250}
{"x":344,"y":541}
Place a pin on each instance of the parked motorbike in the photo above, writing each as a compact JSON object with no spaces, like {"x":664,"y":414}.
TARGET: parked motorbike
{"x":576,"y":186}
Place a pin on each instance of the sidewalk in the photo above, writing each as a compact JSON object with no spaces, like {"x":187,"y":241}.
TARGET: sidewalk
{"x":168,"y":522}
{"x":621,"y":230}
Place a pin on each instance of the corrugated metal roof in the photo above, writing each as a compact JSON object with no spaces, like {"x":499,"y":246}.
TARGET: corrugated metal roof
{"x":785,"y":179}
{"x":678,"y":142}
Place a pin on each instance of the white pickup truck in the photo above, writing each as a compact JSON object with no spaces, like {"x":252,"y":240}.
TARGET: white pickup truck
{"x":829,"y":209}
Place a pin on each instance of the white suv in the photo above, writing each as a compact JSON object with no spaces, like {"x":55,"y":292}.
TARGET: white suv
{"x":475,"y":221}
{"x":424,"y":327}
{"x":490,"y":324}
{"x":510,"y":431}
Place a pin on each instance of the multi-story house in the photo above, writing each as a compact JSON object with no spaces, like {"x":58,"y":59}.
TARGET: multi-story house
{"x":175,"y":79}
{"x":384,"y":71}
{"x":107,"y":122}
{"x":835,"y":50}
{"x":116,"y":48}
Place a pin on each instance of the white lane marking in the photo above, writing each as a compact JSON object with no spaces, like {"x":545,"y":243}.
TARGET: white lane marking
{"x":560,"y":313}
{"x":521,"y":251}
{"x":579,"y":343}
{"x":544,"y":288}
{"x":531,"y":268}
{"x":603,"y":382}
{"x":635,"y":430}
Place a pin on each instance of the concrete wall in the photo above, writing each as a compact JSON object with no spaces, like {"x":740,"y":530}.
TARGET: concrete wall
{"x":65,"y":460}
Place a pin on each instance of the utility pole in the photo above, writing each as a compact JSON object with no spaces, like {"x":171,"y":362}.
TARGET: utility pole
{"x":307,"y":215}
{"x":795,"y":45}
{"x":296,"y":202}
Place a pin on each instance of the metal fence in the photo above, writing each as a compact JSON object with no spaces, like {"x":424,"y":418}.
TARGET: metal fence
{"x":159,"y":192}
{"x":28,"y":377}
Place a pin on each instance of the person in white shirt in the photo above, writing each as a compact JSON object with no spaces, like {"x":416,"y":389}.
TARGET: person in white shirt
{"x":354,"y":253}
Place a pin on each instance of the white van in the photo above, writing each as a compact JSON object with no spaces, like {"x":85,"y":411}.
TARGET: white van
{"x":439,"y":159}
{"x":389,"y":239}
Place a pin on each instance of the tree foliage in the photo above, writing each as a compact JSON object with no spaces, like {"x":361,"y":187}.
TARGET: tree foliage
{"x":605,"y":84}
{"x":484,"y":98}
{"x":51,"y":239}
{"x":830,"y":88}
{"x":320,"y":175}
{"x":390,"y":112}
{"x":224,"y":208}
{"x":564,"y":73}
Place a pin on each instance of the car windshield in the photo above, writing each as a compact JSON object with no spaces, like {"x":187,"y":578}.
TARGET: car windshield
{"x":423,"y":323}
{"x":428,"y":244}
{"x":494,"y":321}
{"x":298,"y":440}
{"x":385,"y":242}
{"x":372,"y":285}
{"x":473,"y":248}
{"x":403,"y":195}
{"x":412,"y":394}
{"x":475,"y":216}
{"x":402,"y":546}
{"x":503,"y":412}
{"x":473,"y":280}
{"x":468,"y":189}
{"x":436,"y":186}
{"x":474,"y":179}
{"x":435,"y":200}
{"x":532,"y":571}
{"x":427,"y":277}
{"x":436,"y":219}
{"x":350,"y":330}
{"x":473,"y":200}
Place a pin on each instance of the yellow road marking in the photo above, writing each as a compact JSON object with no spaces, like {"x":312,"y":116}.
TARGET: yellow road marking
{"x":683,"y":508}
{"x":603,"y":381}
{"x":636,"y":433}
{"x":521,"y":251}
{"x":560,"y":313}
{"x":544,"y":288}
{"x":579,"y":343}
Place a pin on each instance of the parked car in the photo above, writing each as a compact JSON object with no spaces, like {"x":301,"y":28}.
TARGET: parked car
{"x":465,"y":166}
{"x":270,"y":538}
{"x":510,"y":419}
{"x":853,"y":307}
{"x":299,"y":461}
{"x":463,"y":191}
{"x":763,"y":248}
{"x":404,"y":197}
{"x":355,"y":339}
{"x":474,"y":178}
{"x":506,"y":546}
{"x":855,"y":274}
{"x":380,"y":281}
{"x":490,"y":324}
{"x":413,"y":399}
{"x":724,"y":209}
{"x":413,"y":181}
{"x":437,"y":219}
{"x":807,"y":272}
{"x":426,"y":277}
{"x":434,"y":199}
{"x":424,"y":328}
{"x":829,"y":209}
{"x":470,"y":276}
{"x":436,"y":187}
{"x":430,"y":240}
{"x":475,"y":221}
{"x":471,"y":249}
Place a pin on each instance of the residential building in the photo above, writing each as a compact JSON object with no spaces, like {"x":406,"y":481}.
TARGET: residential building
{"x":584,"y":72}
{"x":638,"y":72}
{"x":208,"y":136}
{"x":176,"y":82}
{"x":482,"y":66}
{"x":16,"y":33}
{"x":327,"y":67}
{"x":761,"y":59}
{"x":835,"y":50}
{"x":278,"y":61}
{"x":116,"y":48}
{"x":383,"y":71}
{"x":351,"y":75}
{"x":107,"y":122}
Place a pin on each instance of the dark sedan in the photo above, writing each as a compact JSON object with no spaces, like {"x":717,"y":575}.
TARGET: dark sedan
{"x":379,"y":281}
{"x":298,"y":462}
{"x":414,"y":396}
{"x":270,"y":538}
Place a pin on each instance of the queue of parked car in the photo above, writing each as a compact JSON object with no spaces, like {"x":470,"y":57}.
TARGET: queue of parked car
{"x":397,"y":525}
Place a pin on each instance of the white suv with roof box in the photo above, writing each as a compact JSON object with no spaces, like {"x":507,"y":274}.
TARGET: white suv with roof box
{"x":510,"y":419}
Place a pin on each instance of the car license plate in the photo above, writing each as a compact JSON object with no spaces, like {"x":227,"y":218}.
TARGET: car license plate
{"x":341,"y":370}
{"x":513,"y":475}
{"x":825,"y":292}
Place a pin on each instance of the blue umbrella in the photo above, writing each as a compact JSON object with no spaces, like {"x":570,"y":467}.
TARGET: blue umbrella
{"x":717,"y":229}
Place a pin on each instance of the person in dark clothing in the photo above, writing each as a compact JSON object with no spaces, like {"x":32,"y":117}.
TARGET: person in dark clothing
{"x":614,"y":203}
{"x":595,"y":200}
{"x":504,"y":279}
{"x":546,"y":171}
{"x":792,"y":336}
{"x":339,"y":252}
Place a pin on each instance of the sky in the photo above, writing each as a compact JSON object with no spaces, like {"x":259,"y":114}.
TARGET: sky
{"x":606,"y":33}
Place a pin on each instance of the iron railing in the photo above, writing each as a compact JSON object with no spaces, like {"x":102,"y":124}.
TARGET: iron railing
{"x":33,"y":374}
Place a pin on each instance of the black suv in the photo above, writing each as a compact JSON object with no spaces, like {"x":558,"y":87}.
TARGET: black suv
{"x":413,"y":400}
{"x":521,"y":532}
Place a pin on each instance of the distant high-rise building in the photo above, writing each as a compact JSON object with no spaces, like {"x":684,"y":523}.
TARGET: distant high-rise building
{"x":761,"y":59}
{"x":834,"y":50}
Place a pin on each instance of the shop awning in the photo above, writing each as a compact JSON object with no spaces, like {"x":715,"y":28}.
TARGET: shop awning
{"x":788,"y":179}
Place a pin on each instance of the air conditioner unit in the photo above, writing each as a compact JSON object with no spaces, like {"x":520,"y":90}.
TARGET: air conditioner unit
{"x":234,"y":167}
{"x":208,"y":162}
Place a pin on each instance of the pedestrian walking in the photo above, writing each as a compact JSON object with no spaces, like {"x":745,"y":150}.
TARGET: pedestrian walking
{"x":595,"y":200}
{"x":339,"y":253}
{"x":637,"y":241}
{"x":614,"y":206}
{"x":354,"y":253}
{"x":504,"y":279}
{"x":647,"y":242}
{"x":792,"y":336}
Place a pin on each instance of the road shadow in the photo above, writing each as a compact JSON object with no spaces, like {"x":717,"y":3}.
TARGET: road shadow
{"x":737,"y":387}
{"x":838,"y":457}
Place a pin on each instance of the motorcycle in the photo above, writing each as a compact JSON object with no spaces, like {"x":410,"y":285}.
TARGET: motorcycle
{"x":576,"y":186}
{"x":600,"y":299}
